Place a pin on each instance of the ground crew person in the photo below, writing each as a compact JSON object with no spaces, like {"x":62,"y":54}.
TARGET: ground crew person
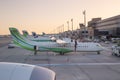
{"x":75,"y":44}
{"x":35,"y":50}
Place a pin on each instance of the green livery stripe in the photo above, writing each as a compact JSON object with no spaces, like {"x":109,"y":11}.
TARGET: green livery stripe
{"x":16,"y":35}
{"x":25,"y":33}
{"x":58,"y":50}
{"x":42,"y":40}
{"x":23,"y":46}
{"x":19,"y":41}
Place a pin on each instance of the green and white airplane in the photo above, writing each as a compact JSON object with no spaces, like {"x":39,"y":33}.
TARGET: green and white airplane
{"x":60,"y":47}
{"x":41,"y":38}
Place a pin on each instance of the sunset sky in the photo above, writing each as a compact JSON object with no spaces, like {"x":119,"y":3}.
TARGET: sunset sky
{"x":46,"y":15}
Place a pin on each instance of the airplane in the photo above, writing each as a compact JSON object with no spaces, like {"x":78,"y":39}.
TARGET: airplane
{"x":61,"y":48}
{"x":42,"y":38}
{"x":19,"y":71}
{"x":25,"y":33}
{"x":34,"y":35}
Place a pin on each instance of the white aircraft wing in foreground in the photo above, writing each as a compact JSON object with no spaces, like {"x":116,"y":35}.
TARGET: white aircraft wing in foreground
{"x":18,"y":71}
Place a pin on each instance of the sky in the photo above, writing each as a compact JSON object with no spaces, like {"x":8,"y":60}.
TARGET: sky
{"x":47,"y":15}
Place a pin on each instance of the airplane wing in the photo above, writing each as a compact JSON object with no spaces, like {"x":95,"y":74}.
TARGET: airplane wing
{"x":19,"y":71}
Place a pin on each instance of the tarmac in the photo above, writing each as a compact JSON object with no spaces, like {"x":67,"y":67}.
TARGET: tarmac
{"x":71,"y":66}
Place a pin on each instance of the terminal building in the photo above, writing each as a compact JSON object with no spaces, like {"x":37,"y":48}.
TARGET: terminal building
{"x":109,"y":27}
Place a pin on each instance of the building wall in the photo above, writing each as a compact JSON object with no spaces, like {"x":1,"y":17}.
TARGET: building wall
{"x":112,"y":25}
{"x":91,"y":32}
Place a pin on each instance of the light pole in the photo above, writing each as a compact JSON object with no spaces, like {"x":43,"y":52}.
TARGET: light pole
{"x":84,"y":13}
{"x":63,"y":28}
{"x":58,"y":30}
{"x":85,"y":29}
{"x":72,"y":24}
{"x":68,"y":25}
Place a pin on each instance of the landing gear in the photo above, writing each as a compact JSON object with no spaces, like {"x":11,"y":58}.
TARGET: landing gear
{"x":61,"y":53}
{"x":98,"y":52}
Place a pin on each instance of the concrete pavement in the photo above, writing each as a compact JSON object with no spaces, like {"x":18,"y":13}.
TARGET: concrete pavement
{"x":71,"y":66}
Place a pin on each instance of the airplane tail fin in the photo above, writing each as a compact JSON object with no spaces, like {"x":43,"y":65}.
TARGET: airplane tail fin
{"x":25,"y":33}
{"x":19,"y":40}
{"x":34,"y":35}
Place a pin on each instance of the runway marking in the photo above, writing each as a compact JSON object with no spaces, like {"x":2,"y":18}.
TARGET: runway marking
{"x":79,"y":64}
